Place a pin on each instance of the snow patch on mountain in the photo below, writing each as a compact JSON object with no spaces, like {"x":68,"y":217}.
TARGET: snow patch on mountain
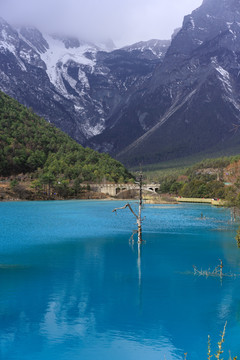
{"x":156,"y":47}
{"x":225,"y":78}
{"x":95,"y":130}
{"x":192,"y":22}
{"x":226,"y":81}
{"x":57,"y":57}
{"x":4,"y":44}
{"x":8,"y":46}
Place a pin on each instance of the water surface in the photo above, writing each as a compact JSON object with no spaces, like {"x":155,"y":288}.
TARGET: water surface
{"x":72,"y":287}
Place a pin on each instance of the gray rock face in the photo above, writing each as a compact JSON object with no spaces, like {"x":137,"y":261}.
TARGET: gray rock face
{"x":34,"y":38}
{"x":191,"y":103}
{"x":72,"y":83}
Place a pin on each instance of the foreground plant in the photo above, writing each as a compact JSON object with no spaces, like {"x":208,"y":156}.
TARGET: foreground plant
{"x":220,"y":347}
{"x":220,"y":343}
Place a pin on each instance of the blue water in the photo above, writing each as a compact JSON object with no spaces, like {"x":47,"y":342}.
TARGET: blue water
{"x":72,"y":287}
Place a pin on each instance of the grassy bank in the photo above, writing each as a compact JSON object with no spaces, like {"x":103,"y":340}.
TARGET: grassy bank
{"x":216,"y":202}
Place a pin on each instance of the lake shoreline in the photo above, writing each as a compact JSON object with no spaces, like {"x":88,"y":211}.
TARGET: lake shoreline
{"x":8,"y":194}
{"x":24,"y":192}
{"x":91,"y":199}
{"x":92,"y":196}
{"x":219,"y":203}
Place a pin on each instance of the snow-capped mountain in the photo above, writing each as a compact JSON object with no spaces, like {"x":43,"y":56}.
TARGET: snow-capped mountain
{"x":191,"y":103}
{"x":146,"y":102}
{"x":72,"y":83}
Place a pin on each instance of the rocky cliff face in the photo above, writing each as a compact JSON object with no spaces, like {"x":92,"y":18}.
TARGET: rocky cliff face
{"x":191,"y":103}
{"x":74,"y":84}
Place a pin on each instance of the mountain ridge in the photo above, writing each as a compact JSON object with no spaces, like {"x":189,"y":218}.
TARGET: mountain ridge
{"x":70,"y":82}
{"x":148,"y":102}
{"x":192,"y":99}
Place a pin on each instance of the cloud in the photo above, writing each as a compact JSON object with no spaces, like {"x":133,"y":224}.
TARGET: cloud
{"x":124,"y":21}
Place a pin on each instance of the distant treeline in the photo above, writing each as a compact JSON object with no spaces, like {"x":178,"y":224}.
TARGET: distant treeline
{"x":217,"y":163}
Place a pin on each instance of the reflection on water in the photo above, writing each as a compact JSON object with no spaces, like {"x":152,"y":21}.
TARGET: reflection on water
{"x":92,"y":296}
{"x":139,"y":265}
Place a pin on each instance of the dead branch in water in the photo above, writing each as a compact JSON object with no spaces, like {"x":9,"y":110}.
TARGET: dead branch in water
{"x":217,"y":271}
{"x":139,"y":215}
{"x":124,"y":207}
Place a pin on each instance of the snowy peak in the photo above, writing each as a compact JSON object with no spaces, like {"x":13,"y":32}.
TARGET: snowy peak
{"x":8,"y":36}
{"x":75,"y":42}
{"x":62,"y":53}
{"x":192,"y":100}
{"x":11,"y":42}
{"x":34,"y":38}
{"x":69,"y":42}
{"x":71,"y":82}
{"x":213,"y":18}
{"x":149,"y":49}
{"x":107,"y":45}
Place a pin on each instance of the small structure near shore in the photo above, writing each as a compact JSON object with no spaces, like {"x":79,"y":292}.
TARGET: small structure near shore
{"x":115,"y":189}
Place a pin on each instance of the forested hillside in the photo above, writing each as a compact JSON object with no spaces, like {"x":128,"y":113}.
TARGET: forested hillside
{"x":28,"y":144}
{"x":210,"y":178}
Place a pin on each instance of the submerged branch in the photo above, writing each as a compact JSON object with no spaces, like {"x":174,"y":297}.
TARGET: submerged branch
{"x":124,"y":207}
{"x":217,"y":271}
{"x":134,"y":232}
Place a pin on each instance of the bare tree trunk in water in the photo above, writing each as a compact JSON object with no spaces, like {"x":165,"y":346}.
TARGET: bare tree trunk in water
{"x":139,"y":219}
{"x":139,"y":216}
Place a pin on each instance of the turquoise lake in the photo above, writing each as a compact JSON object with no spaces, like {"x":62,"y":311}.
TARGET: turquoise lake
{"x":72,"y":287}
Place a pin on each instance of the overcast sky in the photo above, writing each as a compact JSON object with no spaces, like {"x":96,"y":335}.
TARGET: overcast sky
{"x":124,"y":21}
